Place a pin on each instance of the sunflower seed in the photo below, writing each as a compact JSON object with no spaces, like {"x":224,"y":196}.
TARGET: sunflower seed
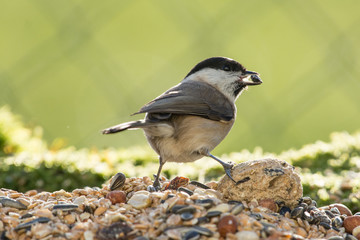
{"x":117,"y":181}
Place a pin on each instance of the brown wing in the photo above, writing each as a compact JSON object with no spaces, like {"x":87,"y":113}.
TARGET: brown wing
{"x":192,"y":98}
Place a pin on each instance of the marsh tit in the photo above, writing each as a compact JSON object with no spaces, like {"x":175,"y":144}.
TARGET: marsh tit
{"x":189,"y":120}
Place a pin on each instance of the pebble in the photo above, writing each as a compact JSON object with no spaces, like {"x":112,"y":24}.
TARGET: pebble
{"x":116,"y":196}
{"x":351,"y":222}
{"x":223,"y":207}
{"x":100,"y":210}
{"x":356,"y":231}
{"x":88,"y":235}
{"x":84,"y":216}
{"x":269,"y":204}
{"x":227,"y":224}
{"x":41,"y":231}
{"x":23,"y":201}
{"x":247,"y":235}
{"x":79,"y":200}
{"x":43,"y":213}
{"x":70,"y":218}
{"x":139,"y":201}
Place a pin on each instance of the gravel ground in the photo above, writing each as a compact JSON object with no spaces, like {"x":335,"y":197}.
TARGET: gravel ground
{"x":125,"y":209}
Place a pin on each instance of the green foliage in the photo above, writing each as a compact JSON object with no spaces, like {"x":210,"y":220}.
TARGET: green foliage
{"x":14,"y":137}
{"x":329,"y":171}
{"x":55,"y":177}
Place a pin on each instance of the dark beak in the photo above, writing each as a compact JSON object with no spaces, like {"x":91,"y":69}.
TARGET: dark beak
{"x":254,"y":78}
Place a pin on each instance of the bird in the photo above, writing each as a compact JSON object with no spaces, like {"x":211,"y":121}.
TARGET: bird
{"x":189,"y":120}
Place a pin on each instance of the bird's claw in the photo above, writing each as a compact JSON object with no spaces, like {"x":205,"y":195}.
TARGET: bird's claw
{"x":156,"y":185}
{"x":228,"y":167}
{"x":151,"y":188}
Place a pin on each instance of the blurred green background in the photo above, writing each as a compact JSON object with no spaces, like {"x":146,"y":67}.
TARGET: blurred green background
{"x":76,"y":67}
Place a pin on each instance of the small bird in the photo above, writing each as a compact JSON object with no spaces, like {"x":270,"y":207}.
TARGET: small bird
{"x":189,"y":120}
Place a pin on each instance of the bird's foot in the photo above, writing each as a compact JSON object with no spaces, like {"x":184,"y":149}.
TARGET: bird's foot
{"x":156,"y":185}
{"x":228,"y":167}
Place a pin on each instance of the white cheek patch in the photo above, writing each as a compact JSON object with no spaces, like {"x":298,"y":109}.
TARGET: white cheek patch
{"x":223,"y":81}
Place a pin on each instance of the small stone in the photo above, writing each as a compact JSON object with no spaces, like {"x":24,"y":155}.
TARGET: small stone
{"x":301,"y":231}
{"x":173,"y":220}
{"x":23,"y":201}
{"x":88,"y":235}
{"x":356,"y":231}
{"x":227,"y":224}
{"x":116,"y":196}
{"x":40,"y":231}
{"x":342,"y":209}
{"x":104,"y":202}
{"x":269,"y":204}
{"x":100,"y":210}
{"x":84,"y":216}
{"x":15,"y":195}
{"x":351,"y":222}
{"x":223,"y":207}
{"x":43,"y":213}
{"x":79,"y":200}
{"x":31,"y":193}
{"x":143,"y":192}
{"x":70,"y":218}
{"x":247,"y":235}
{"x":140,"y":201}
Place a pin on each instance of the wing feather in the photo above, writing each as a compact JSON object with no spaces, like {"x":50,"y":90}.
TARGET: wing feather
{"x":192,"y":98}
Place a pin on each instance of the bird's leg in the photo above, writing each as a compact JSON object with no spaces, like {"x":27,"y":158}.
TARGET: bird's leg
{"x":156,"y":185}
{"x":227,"y":166}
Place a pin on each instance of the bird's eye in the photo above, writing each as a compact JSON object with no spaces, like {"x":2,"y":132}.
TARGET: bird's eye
{"x":226,"y":68}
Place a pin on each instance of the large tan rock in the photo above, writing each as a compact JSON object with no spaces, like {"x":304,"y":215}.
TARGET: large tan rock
{"x":263,"y":179}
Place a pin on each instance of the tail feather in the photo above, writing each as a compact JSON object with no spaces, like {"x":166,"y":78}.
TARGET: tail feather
{"x":123,"y":126}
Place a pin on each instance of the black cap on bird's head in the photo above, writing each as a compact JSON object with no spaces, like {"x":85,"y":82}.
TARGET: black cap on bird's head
{"x":219,"y":63}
